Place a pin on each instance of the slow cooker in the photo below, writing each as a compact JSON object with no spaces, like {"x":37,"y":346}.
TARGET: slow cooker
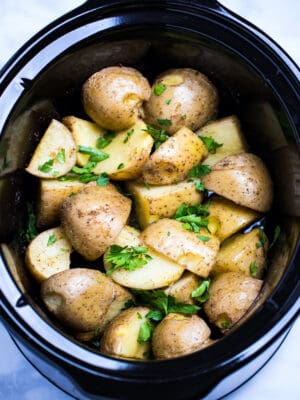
{"x":256,"y":80}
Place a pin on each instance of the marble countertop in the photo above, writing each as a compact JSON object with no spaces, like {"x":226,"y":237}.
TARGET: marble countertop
{"x":279,"y":379}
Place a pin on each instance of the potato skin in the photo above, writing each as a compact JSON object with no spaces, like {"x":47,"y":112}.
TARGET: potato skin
{"x":172,"y":161}
{"x":194,"y":100}
{"x":112,"y":96}
{"x":178,"y":334}
{"x":93,"y":218}
{"x":244,"y":179}
{"x":231,"y":295}
{"x":80,"y":298}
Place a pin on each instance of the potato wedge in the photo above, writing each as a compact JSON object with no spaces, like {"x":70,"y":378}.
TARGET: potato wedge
{"x":122,"y":338}
{"x":157,"y":273}
{"x":55,"y":155}
{"x":179,"y":334}
{"x":244,"y":179}
{"x":243,"y":253}
{"x":82,"y":299}
{"x":225,"y":131}
{"x":232,"y":218}
{"x":52,"y":193}
{"x":48,"y":254}
{"x":183,"y":288}
{"x":168,"y":237}
{"x":154,"y":202}
{"x":174,"y":158}
{"x":93,"y":219}
{"x":231,"y":295}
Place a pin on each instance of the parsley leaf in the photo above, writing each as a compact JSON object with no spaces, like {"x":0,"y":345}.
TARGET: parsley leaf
{"x":52,"y":239}
{"x":199,"y":186}
{"x":164,"y":122}
{"x":102,"y":179}
{"x":31,"y":231}
{"x":95,"y":155}
{"x":168,"y":102}
{"x":201,"y":293}
{"x":253,"y":269}
{"x":155,"y":315}
{"x":104,"y":141}
{"x":87,"y":168}
{"x":199,"y":170}
{"x":145,"y":332}
{"x":129,"y":133}
{"x":159,"y":89}
{"x":210,"y":144}
{"x":276,"y":236}
{"x":68,"y":178}
{"x":183,"y":116}
{"x":192,"y":217}
{"x":47,"y":166}
{"x":121,"y":166}
{"x":61,"y":156}
{"x":129,"y":258}
{"x":263,"y":240}
{"x":159,"y":135}
{"x":203,"y":238}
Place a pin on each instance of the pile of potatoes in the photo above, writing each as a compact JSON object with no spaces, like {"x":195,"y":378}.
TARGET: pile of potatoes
{"x":100,"y":178}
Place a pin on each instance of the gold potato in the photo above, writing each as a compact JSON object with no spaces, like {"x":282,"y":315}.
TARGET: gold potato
{"x":81,"y":299}
{"x":242,"y":253}
{"x":93,"y":219}
{"x":168,"y":237}
{"x":48,"y":253}
{"x":225,"y":131}
{"x":55,"y":155}
{"x":183,"y":288}
{"x":179,"y":334}
{"x":52,"y":193}
{"x":244,"y":179}
{"x":189,"y":99}
{"x":113,"y":96}
{"x":174,"y":158}
{"x":157,"y":273}
{"x":153,"y":202}
{"x":231,"y":295}
{"x":231,"y":217}
{"x":121,"y":337}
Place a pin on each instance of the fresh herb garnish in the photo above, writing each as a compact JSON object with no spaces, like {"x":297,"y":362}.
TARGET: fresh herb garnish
{"x":102,"y":179}
{"x":121,"y":166}
{"x":192,"y":217}
{"x":61,"y":156}
{"x":201,"y":293}
{"x":104,"y":141}
{"x":199,"y":186}
{"x":55,"y":173}
{"x":52,"y":239}
{"x":31,"y":231}
{"x":47,"y":166}
{"x":145,"y":332}
{"x":210,"y":144}
{"x":72,"y":194}
{"x":129,"y":258}
{"x":68,"y":178}
{"x":95,"y":155}
{"x":159,"y":135}
{"x":263,"y":240}
{"x":164,"y":122}
{"x":168,"y":102}
{"x":276,"y":236}
{"x":159,"y":89}
{"x":154,"y":315}
{"x":148,"y":187}
{"x":183,"y":116}
{"x":199,"y":170}
{"x":253,"y":269}
{"x":203,"y":238}
{"x":129,"y":133}
{"x":225,"y":324}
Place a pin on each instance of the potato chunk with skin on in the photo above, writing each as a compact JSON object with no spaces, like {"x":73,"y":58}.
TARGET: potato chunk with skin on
{"x":242,"y":253}
{"x":48,"y":253}
{"x":174,"y":158}
{"x":168,"y":237}
{"x":179,"y":334}
{"x":55,"y":155}
{"x":182,"y":289}
{"x":122,"y":338}
{"x":159,"y":272}
{"x":232,"y":217}
{"x":154,"y":202}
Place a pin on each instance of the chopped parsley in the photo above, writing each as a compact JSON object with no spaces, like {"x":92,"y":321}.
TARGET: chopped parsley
{"x":95,"y":155}
{"x":276,"y":236}
{"x":201,"y":293}
{"x":253,"y":269}
{"x":225,"y":324}
{"x":192,"y":217}
{"x":68,"y":178}
{"x":210,"y":144}
{"x":199,"y":170}
{"x":263,"y":240}
{"x":104,"y":141}
{"x":145,"y":332}
{"x":129,"y":258}
{"x":129,"y":133}
{"x":51,"y":240}
{"x":121,"y":166}
{"x":55,"y":173}
{"x":148,"y":187}
{"x":168,"y":102}
{"x":203,"y":238}
{"x":159,"y":89}
{"x":159,"y":135}
{"x":47,"y":166}
{"x":164,"y":122}
{"x":61,"y":156}
{"x":102,"y":179}
{"x":183,"y":116}
{"x":31,"y":231}
{"x":199,"y":186}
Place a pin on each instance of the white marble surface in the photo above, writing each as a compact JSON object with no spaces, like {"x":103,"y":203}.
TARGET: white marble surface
{"x":279,"y":379}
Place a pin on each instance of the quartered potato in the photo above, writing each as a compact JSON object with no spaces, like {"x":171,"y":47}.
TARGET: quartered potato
{"x":242,"y":178}
{"x":160,"y":271}
{"x":227,"y":132}
{"x":123,"y":338}
{"x":48,"y":254}
{"x":182,"y":289}
{"x":55,"y":155}
{"x":169,"y":238}
{"x":153,"y":202}
{"x":174,"y":158}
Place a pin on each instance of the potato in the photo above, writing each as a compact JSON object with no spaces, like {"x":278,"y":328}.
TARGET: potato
{"x":48,"y":253}
{"x":168,"y":237}
{"x":82,"y":298}
{"x":242,"y":178}
{"x":153,"y":202}
{"x":189,"y":99}
{"x":232,"y":218}
{"x":231,"y":295}
{"x":179,"y":334}
{"x":93,"y":219}
{"x":183,"y":288}
{"x":112,"y":97}
{"x":241,"y":253}
{"x":121,"y":337}
{"x":55,"y":155}
{"x":225,"y":131}
{"x":52,"y":193}
{"x":174,"y":158}
{"x":157,"y":273}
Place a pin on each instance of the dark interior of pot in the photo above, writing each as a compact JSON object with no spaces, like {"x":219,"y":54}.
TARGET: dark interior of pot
{"x":55,"y":92}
